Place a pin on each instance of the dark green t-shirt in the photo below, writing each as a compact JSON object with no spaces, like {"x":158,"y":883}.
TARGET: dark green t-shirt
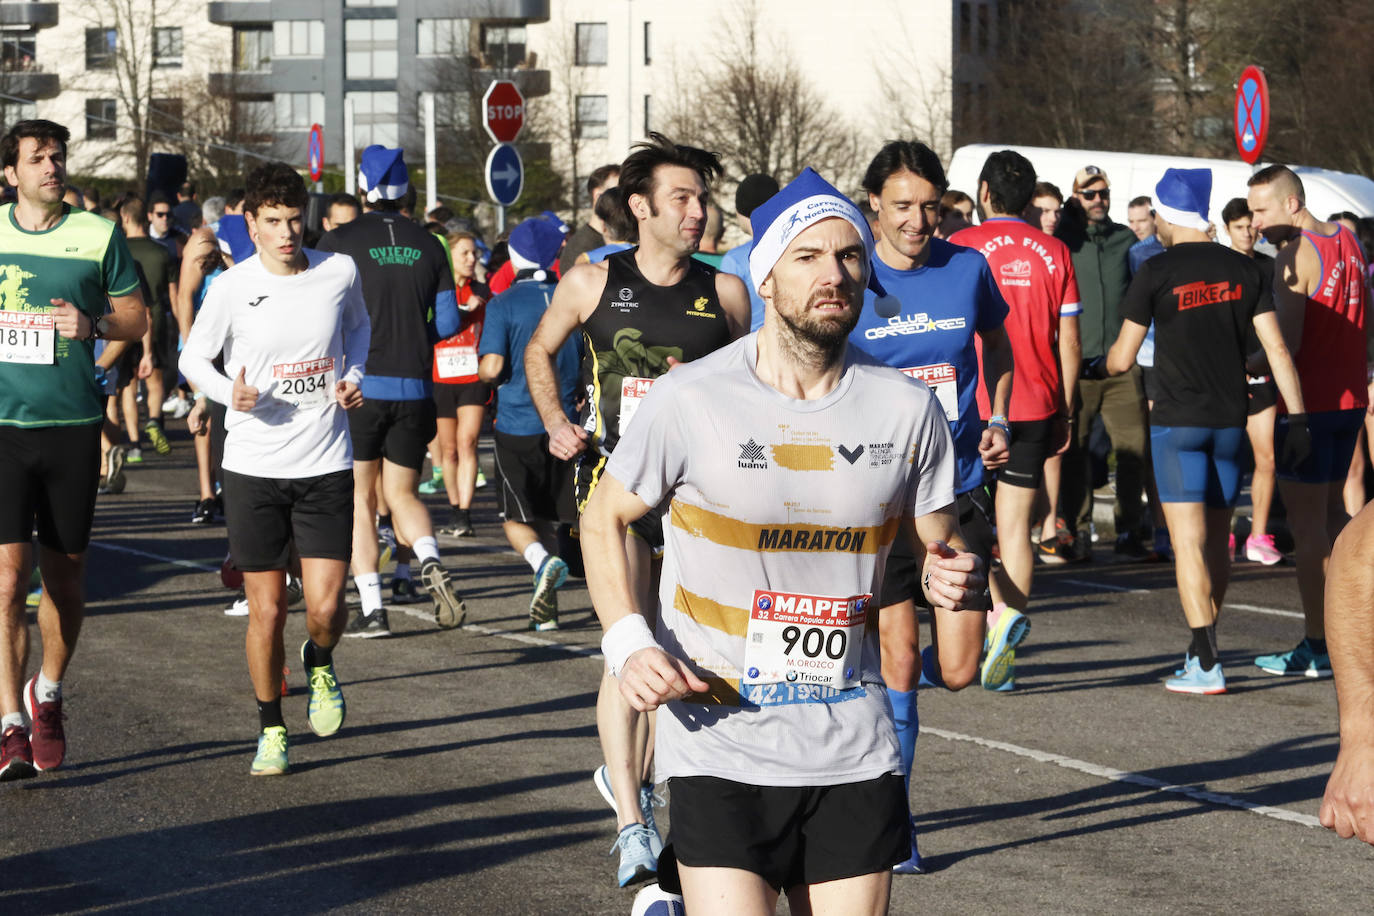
{"x":157,"y":268}
{"x":84,"y":260}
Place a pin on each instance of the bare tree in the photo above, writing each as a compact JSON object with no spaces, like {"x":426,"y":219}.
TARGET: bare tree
{"x":752,"y":104}
{"x":555,"y":116}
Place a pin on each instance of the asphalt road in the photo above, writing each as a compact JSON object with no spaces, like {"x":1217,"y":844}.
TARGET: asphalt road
{"x":461,"y":781}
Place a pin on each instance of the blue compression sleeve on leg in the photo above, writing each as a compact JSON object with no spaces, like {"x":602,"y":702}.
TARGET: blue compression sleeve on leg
{"x":904,"y":712}
{"x":929,"y":676}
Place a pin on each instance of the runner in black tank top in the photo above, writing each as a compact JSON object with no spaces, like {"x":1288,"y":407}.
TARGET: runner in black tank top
{"x":636,"y":328}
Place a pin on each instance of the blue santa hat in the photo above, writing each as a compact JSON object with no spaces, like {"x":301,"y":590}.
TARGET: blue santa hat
{"x":1183,"y":197}
{"x":808,"y":199}
{"x":534,"y":244}
{"x":382,"y":173}
{"x":551,"y":217}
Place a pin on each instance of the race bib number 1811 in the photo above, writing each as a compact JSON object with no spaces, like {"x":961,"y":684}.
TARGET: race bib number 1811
{"x":805,"y":639}
{"x":27,"y":337}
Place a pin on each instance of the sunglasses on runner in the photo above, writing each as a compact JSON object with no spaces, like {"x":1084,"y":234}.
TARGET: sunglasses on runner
{"x":161,"y":214}
{"x":1094,"y":194}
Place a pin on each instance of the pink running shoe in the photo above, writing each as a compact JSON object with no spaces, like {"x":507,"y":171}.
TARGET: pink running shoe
{"x":1259,"y":548}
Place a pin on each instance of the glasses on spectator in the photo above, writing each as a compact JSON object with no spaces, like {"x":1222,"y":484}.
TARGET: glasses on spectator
{"x":161,"y":214}
{"x":1094,"y":194}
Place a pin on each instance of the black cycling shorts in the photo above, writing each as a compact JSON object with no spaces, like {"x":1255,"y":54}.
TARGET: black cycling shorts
{"x":1030,"y":446}
{"x":902,"y":577}
{"x":399,"y":431}
{"x":587,"y":474}
{"x":1263,"y":394}
{"x":265,"y":514}
{"x":48,"y":477}
{"x":448,"y":398}
{"x":791,"y":836}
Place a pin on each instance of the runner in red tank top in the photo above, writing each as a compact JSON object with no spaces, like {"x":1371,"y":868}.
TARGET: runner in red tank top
{"x":1035,"y":275}
{"x":1320,"y":298}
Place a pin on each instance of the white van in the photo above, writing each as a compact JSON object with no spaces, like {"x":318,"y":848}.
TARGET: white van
{"x":1134,"y":174}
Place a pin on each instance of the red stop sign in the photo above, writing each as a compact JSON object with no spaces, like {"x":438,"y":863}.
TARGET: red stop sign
{"x":503,"y":111}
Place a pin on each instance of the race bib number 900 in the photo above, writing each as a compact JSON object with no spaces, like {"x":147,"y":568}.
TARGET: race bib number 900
{"x":27,"y":337}
{"x":805,"y":639}
{"x":308,"y":384}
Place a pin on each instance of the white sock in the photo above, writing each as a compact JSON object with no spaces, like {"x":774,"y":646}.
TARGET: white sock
{"x":47,"y":690}
{"x":535,"y":554}
{"x":11,"y":720}
{"x":425,"y":548}
{"x":402,"y":571}
{"x":370,"y":590}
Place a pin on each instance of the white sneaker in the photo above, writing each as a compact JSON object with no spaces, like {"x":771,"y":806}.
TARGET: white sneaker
{"x":237,"y":609}
{"x":653,"y":900}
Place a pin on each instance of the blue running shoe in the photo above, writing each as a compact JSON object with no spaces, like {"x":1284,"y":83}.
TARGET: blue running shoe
{"x":1300,"y":660}
{"x":637,"y":861}
{"x":553,"y":572}
{"x":648,"y":800}
{"x":1187,"y":657}
{"x":914,"y":865}
{"x":1197,"y":680}
{"x":999,"y":667}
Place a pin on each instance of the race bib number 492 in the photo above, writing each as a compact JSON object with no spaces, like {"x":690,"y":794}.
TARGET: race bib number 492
{"x":27,"y":337}
{"x":307,"y":384}
{"x":456,"y":361}
{"x":805,"y":639}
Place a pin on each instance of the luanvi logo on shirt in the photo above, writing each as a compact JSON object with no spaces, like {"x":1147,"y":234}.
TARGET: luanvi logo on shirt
{"x":850,"y":456}
{"x":751,"y":456}
{"x":256,"y":302}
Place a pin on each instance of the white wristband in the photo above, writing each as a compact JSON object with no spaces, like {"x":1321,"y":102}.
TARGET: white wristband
{"x":626,"y":636}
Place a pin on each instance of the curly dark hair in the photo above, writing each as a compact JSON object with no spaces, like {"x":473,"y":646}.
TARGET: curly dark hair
{"x":274,"y":184}
{"x":43,"y":131}
{"x":637,"y":171}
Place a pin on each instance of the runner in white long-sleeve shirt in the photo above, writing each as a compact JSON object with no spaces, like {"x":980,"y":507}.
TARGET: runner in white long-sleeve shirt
{"x":294,"y":333}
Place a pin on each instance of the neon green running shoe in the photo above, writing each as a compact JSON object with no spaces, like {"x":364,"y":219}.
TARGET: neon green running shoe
{"x":158,"y":438}
{"x":327,"y":709}
{"x":271,"y":758}
{"x":435,"y":484}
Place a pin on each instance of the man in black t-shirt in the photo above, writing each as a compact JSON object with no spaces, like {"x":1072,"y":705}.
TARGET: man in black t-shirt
{"x":1203,"y":299}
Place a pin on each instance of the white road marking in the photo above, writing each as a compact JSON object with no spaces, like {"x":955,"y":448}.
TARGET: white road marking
{"x":187,"y":564}
{"x":1108,"y":587}
{"x":1135,"y":779}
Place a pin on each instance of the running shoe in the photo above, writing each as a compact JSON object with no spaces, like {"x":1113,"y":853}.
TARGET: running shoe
{"x":115,"y":480}
{"x":553,"y":572}
{"x":1300,"y":660}
{"x":914,"y":864}
{"x":47,"y":740}
{"x":1130,"y":548}
{"x":238,"y":609}
{"x":16,"y":757}
{"x":34,"y":597}
{"x":434,"y":485}
{"x":648,"y":800}
{"x":481,"y":479}
{"x":1056,"y":551}
{"x":204,"y":512}
{"x":637,"y":861}
{"x":1163,"y":548}
{"x":460,"y":524}
{"x":133,"y":455}
{"x":295,"y":590}
{"x":386,"y":545}
{"x":368,"y":626}
{"x":999,"y":668}
{"x":1196,"y":679}
{"x":601,"y":778}
{"x":1231,"y":543}
{"x":176,"y":407}
{"x":653,"y":900}
{"x":1259,"y":548}
{"x":271,"y":756}
{"x":159,"y":438}
{"x":449,"y":609}
{"x":327,"y":708}
{"x":403,"y":591}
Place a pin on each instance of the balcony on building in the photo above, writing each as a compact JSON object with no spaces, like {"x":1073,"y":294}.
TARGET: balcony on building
{"x":229,"y":12}
{"x":29,"y":83}
{"x":36,"y":15}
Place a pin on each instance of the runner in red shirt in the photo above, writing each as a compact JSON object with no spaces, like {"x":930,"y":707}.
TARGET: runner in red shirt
{"x":1035,"y":275}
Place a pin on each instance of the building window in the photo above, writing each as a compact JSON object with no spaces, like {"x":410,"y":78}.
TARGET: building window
{"x":167,"y":47}
{"x":18,"y":50}
{"x":451,"y":110}
{"x":591,"y":116}
{"x":965,"y":27}
{"x":253,"y":118}
{"x":647,"y":120}
{"x":503,"y":46}
{"x":441,"y":37}
{"x":648,"y":53}
{"x":166,"y":116}
{"x":100,"y":48}
{"x":252,"y":50}
{"x":374,"y":118}
{"x":100,"y":119}
{"x":298,"y":38}
{"x":591,"y":44}
{"x":12,"y":112}
{"x":370,"y":49}
{"x":299,"y":110}
{"x":369,"y":2}
{"x":982,"y":28}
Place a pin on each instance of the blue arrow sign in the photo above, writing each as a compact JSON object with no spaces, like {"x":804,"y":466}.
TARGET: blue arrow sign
{"x":505,"y":174}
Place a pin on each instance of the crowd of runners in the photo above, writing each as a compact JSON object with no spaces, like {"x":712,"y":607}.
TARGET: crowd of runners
{"x":768,"y":463}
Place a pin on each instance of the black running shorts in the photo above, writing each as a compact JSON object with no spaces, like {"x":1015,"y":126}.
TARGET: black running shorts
{"x":1030,"y":446}
{"x":902,"y":577}
{"x":49,"y":475}
{"x":264,"y":514}
{"x":791,"y":836}
{"x":448,"y":398}
{"x":532,"y":485}
{"x":399,"y":431}
{"x":648,"y":527}
{"x":1263,"y":394}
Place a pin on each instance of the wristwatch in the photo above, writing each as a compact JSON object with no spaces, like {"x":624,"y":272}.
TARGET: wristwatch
{"x":96,"y":333}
